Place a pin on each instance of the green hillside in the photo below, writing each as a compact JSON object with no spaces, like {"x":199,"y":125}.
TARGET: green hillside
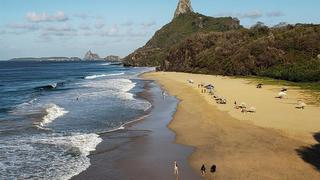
{"x":289,"y":53}
{"x":156,"y":49}
{"x":199,"y":44}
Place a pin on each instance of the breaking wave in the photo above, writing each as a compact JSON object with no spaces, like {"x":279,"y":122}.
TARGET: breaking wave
{"x":46,"y":156}
{"x":49,"y":86}
{"x":53,"y":112}
{"x":102,"y":75}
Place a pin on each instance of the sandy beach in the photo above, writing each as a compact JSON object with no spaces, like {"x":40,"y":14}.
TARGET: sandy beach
{"x":277,"y":142}
{"x":145,"y":149}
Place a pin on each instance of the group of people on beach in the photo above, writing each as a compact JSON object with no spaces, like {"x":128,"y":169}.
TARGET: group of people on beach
{"x":283,"y":93}
{"x":213,"y":170}
{"x":243,"y":107}
{"x":203,"y":170}
{"x":220,"y":100}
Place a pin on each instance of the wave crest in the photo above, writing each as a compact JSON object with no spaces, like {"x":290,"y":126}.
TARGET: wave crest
{"x":53,"y":112}
{"x":51,"y":86}
{"x":58,"y":156}
{"x":102,"y":75}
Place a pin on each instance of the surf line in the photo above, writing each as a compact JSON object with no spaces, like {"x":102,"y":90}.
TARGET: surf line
{"x":125,"y":125}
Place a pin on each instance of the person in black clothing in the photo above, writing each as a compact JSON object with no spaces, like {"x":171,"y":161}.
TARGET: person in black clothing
{"x":213,"y":170}
{"x":203,"y":170}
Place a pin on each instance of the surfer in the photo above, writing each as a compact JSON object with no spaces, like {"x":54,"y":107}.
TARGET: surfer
{"x":164,"y":94}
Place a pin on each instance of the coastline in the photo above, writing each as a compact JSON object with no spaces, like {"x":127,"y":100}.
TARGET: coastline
{"x":145,"y":148}
{"x":243,"y":146}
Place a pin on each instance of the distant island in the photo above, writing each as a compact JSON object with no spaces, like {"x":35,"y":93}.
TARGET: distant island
{"x":113,"y":58}
{"x":89,"y":56}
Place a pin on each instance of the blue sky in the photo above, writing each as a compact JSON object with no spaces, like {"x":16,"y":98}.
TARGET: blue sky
{"x":37,"y":28}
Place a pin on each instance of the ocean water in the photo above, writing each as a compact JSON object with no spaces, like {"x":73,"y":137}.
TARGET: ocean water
{"x":51,"y":114}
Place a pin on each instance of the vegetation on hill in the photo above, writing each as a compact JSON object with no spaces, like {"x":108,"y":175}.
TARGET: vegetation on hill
{"x":289,"y":53}
{"x":181,"y":27}
{"x":200,"y":44}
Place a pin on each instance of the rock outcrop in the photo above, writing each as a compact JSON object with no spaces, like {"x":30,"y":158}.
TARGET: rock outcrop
{"x":90,"y":56}
{"x":113,"y":58}
{"x":184,"y":6}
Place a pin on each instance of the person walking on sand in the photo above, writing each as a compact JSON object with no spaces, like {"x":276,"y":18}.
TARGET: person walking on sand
{"x":176,"y":169}
{"x":164,"y":95}
{"x":213,"y":170}
{"x":203,"y":170}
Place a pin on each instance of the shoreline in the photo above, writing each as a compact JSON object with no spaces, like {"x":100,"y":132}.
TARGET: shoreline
{"x":132,"y":153}
{"x":247,"y":146}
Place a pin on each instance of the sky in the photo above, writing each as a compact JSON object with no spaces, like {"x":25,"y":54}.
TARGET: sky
{"x":43,"y":28}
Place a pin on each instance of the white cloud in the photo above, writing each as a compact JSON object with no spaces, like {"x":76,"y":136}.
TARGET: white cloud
{"x":112,"y":31}
{"x":133,"y":33}
{"x":85,"y":16}
{"x":3,"y":31}
{"x":99,"y":25}
{"x":63,"y":28}
{"x":44,"y":17}
{"x":275,"y":14}
{"x":87,"y":33}
{"x":48,"y":34}
{"x":250,"y":15}
{"x":85,"y":27}
{"x":128,"y":23}
{"x":149,"y":24}
{"x":23,"y":26}
{"x":81,"y":15}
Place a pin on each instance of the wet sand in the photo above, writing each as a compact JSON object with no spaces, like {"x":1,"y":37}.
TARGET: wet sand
{"x":278,"y":142}
{"x":145,"y":150}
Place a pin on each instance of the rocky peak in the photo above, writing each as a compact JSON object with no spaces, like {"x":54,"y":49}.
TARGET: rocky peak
{"x":91,"y":56}
{"x":184,"y":6}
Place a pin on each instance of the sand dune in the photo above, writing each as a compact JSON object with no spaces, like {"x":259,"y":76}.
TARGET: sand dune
{"x":267,"y":144}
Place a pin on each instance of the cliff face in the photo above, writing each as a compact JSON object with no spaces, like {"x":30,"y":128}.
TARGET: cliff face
{"x":184,"y":6}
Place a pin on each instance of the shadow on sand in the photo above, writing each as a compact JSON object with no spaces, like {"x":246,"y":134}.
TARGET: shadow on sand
{"x":311,"y":154}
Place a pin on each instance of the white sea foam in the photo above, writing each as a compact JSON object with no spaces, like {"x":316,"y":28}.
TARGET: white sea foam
{"x":95,"y":76}
{"x":116,"y":74}
{"x":105,"y":64}
{"x":123,"y":126}
{"x":46,"y":156}
{"x":102,"y":75}
{"x":53,"y":112}
{"x":84,"y":142}
{"x":25,"y":108}
{"x":54,"y":85}
{"x":119,"y":88}
{"x":111,"y":87}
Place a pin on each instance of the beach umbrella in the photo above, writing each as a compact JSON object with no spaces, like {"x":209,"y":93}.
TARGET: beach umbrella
{"x":209,"y":86}
{"x":190,"y":81}
{"x":243,"y":105}
{"x":282,"y":94}
{"x":252,"y":109}
{"x":302,"y":104}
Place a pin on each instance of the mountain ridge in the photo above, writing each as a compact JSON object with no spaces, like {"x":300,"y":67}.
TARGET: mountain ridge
{"x":196,"y":43}
{"x":181,"y":27}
